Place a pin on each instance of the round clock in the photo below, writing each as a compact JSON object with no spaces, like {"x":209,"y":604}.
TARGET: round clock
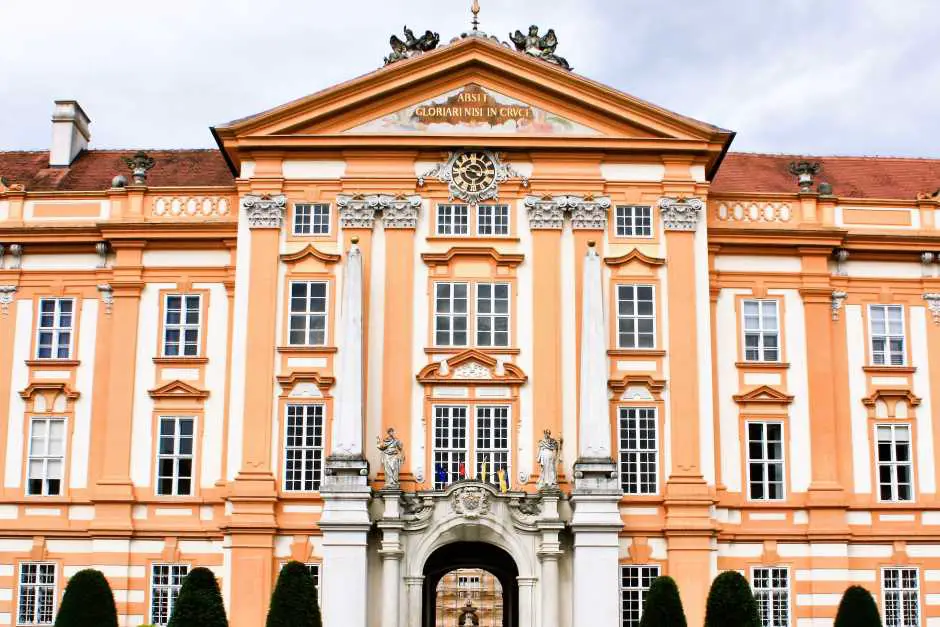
{"x":473,"y":172}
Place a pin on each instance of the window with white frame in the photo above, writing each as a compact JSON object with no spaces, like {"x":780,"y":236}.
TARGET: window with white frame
{"x":181,"y":325}
{"x":452,"y":320}
{"x":36,"y":599}
{"x":468,"y":582}
{"x":639,"y":450}
{"x":492,"y":314}
{"x":772,"y":592}
{"x":45,"y":467}
{"x":635,"y":582}
{"x":55,"y":328}
{"x":636,"y":318}
{"x":765,"y":463}
{"x":454,"y":448}
{"x":761,"y":330}
{"x":165,"y":583}
{"x":453,"y":220}
{"x":313,"y":569}
{"x":633,"y":221}
{"x":886,"y":323}
{"x":895,"y":463}
{"x":493,"y":220}
{"x":175,"y":456}
{"x":308,"y":302}
{"x":311,"y":219}
{"x":451,"y":314}
{"x":303,"y":448}
{"x":901,"y":588}
{"x":492,"y":442}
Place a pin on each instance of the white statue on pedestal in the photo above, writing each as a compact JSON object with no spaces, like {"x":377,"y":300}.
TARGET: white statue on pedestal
{"x":393,"y":456}
{"x":549,"y":453}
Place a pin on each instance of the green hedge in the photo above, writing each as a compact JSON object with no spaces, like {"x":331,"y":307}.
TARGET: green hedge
{"x":199,"y":603}
{"x":663,"y":607}
{"x":857,"y":609}
{"x":731,"y":602}
{"x":87,"y":602}
{"x":294,"y":602}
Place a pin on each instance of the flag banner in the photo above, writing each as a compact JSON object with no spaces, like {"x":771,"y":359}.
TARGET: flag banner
{"x":503,"y":484}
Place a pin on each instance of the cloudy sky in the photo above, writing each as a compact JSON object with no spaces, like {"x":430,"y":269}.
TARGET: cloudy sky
{"x":794,"y":76}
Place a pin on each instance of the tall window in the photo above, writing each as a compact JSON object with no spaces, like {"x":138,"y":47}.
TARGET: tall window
{"x":901,"y":587}
{"x":175,"y":456}
{"x":181,"y":325}
{"x":46,"y":463}
{"x":635,"y":583}
{"x":307,"y":313}
{"x":452,"y":443}
{"x":54,"y":332}
{"x":765,"y":465}
{"x":492,"y":314}
{"x":772,"y":591}
{"x":37,"y":594}
{"x":492,"y":442}
{"x":634,"y":221}
{"x":451,"y":314}
{"x":313,"y":568}
{"x":312,"y":219}
{"x":761,"y":331}
{"x":639,"y":450}
{"x":636,"y":318}
{"x":452,"y":322}
{"x":887,"y":335}
{"x":165,"y":583}
{"x":493,"y":220}
{"x":895,"y":465}
{"x":453,"y":220}
{"x":303,"y":448}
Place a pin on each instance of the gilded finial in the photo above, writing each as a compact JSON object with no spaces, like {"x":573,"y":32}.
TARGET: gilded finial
{"x":354,"y":239}
{"x":591,"y":243}
{"x":475,"y":9}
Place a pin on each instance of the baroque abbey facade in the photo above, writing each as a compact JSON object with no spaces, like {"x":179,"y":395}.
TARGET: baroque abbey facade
{"x":609,"y":349}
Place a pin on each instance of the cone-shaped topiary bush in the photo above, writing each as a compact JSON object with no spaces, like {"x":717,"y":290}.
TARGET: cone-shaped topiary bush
{"x":857,"y":609}
{"x":731,"y":603}
{"x":663,"y":608}
{"x":294,"y":602}
{"x":200,"y":602}
{"x":87,"y":602}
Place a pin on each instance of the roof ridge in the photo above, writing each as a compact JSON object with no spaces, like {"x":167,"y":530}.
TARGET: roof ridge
{"x":812,"y":156}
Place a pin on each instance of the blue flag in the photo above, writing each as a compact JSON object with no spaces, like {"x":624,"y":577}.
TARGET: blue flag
{"x":440,"y":474}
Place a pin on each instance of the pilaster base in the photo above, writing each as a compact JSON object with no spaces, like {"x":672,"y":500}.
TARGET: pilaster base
{"x":252,"y":577}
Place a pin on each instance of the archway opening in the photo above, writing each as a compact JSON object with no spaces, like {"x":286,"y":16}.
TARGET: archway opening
{"x":482,"y":573}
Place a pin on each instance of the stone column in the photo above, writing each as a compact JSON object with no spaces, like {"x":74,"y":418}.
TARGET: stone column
{"x":415,"y":587}
{"x":527,"y":614}
{"x":550,"y":524}
{"x":8,"y":328}
{"x":391,"y":526}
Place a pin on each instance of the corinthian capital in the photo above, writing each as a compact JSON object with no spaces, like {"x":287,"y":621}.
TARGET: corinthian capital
{"x":590,"y":213}
{"x":400,"y":212}
{"x":358,"y":212}
{"x":265,"y":211}
{"x":680,"y":214}
{"x":545,"y":212}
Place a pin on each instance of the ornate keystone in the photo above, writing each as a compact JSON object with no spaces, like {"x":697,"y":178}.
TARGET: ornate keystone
{"x":265,"y":211}
{"x":539,"y":47}
{"x":107,"y":296}
{"x":7,"y":292}
{"x":471,"y":501}
{"x":680,"y":214}
{"x":139,"y":164}
{"x":804,"y":171}
{"x":545,"y":212}
{"x":933,"y":304}
{"x":838,"y":297}
{"x":411,"y":46}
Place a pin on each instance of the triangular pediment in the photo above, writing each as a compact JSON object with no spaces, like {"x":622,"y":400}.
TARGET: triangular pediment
{"x":764,"y":394}
{"x":472,"y":366}
{"x":178,"y":389}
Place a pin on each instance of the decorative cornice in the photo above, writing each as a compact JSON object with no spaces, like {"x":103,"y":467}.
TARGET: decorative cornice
{"x":265,"y":211}
{"x":680,"y":214}
{"x":619,"y":386}
{"x":634,"y":255}
{"x":59,"y":387}
{"x":310,"y":251}
{"x":287,"y":382}
{"x":895,"y":395}
{"x":501,"y":259}
{"x":545,"y":212}
{"x":178,"y":389}
{"x":933,"y":304}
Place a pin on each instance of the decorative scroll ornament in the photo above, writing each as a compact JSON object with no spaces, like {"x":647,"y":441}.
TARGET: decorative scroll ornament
{"x":589,"y":213}
{"x":545,"y":212}
{"x":411,"y":46}
{"x":473,"y":175}
{"x":525,"y":511}
{"x":139,"y":164}
{"x":7,"y":292}
{"x":539,"y":47}
{"x":400,"y":212}
{"x":933,"y":304}
{"x":680,"y":214}
{"x":471,"y":501}
{"x":838,"y":297}
{"x":107,"y":296}
{"x":416,"y":511}
{"x":357,"y":212}
{"x":472,"y":370}
{"x":265,"y":211}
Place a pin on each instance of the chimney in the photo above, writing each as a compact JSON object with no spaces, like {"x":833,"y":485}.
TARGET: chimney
{"x":70,"y":133}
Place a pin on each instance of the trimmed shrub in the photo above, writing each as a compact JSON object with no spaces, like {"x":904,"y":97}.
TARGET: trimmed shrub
{"x":87,"y":602}
{"x":294,"y":602}
{"x":731,"y":602}
{"x":199,"y":603}
{"x":857,"y":609}
{"x":663,"y":607}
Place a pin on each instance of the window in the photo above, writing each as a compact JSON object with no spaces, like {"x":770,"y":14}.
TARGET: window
{"x":490,"y":451}
{"x":181,"y":325}
{"x":312,"y":219}
{"x":772,"y":592}
{"x":902,"y":597}
{"x":635,"y":582}
{"x":493,"y":220}
{"x":46,"y":464}
{"x":492,"y":442}
{"x":313,"y":569}
{"x":887,"y":335}
{"x":54,"y":333}
{"x":451,"y":314}
{"x":895,"y":467}
{"x":634,"y":221}
{"x":165,"y":583}
{"x":303,"y":448}
{"x":175,"y":456}
{"x":639,"y":450}
{"x":765,"y":461}
{"x":450,"y":445}
{"x":468,"y":582}
{"x":37,"y":595}
{"x":492,"y":314}
{"x":636,"y":322}
{"x":761,"y":331}
{"x":453,"y":220}
{"x":307,"y":313}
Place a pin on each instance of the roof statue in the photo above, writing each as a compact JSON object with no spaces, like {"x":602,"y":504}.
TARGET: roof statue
{"x":411,"y":46}
{"x":541,"y":47}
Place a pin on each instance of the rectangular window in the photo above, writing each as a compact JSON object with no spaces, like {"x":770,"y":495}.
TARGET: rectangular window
{"x":450,"y":445}
{"x":772,"y":592}
{"x":639,"y":450}
{"x":455,"y":459}
{"x":313,"y":568}
{"x":901,"y":587}
{"x":54,"y":331}
{"x":492,"y":442}
{"x":453,"y":220}
{"x":887,"y":335}
{"x":312,"y":219}
{"x":895,"y":464}
{"x":493,"y":220}
{"x":181,"y":325}
{"x":451,"y":314}
{"x":165,"y":583}
{"x":303,"y":448}
{"x":37,"y":594}
{"x":635,"y":583}
{"x":468,"y":582}
{"x":765,"y":465}
{"x":175,"y":456}
{"x":492,"y":320}
{"x":636,"y":320}
{"x":46,"y":464}
{"x":307,"y":313}
{"x":634,"y":221}
{"x":761,"y":331}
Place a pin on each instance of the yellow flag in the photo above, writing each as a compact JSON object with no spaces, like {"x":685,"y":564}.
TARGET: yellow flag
{"x":483,"y":470}
{"x":503,"y":486}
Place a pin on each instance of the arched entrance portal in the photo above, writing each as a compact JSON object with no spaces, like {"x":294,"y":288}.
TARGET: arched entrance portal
{"x":471,"y":555}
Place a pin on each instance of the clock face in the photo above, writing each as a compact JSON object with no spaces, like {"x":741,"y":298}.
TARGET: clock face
{"x":473,"y":172}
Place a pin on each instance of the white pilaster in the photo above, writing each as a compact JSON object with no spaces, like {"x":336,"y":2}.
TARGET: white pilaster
{"x":415,"y":586}
{"x":347,"y":424}
{"x":594,"y":428}
{"x":527,"y":616}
